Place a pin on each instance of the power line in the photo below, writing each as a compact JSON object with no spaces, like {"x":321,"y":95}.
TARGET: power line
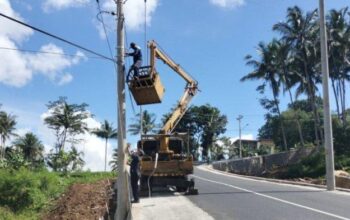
{"x":49,"y":52}
{"x":145,"y":33}
{"x":56,"y":37}
{"x":104,"y":29}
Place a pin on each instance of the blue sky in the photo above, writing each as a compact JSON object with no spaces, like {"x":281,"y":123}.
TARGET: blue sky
{"x":209,"y":38}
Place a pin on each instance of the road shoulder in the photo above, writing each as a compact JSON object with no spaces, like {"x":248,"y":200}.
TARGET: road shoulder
{"x":170,"y":207}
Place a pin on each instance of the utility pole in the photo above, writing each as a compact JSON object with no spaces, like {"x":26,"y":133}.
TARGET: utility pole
{"x":328,"y":136}
{"x":123,"y":200}
{"x":240,"y":135}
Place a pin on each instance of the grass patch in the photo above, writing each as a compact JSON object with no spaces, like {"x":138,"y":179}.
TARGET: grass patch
{"x":24,"y":194}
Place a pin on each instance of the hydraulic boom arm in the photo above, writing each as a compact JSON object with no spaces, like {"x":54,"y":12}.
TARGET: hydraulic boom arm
{"x":190,"y":90}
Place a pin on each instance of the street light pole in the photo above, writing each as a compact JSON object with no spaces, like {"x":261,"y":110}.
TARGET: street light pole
{"x":328,"y":136}
{"x":240,"y":135}
{"x":123,"y":200}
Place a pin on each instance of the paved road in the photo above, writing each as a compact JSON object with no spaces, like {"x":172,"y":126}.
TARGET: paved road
{"x":226,"y":196}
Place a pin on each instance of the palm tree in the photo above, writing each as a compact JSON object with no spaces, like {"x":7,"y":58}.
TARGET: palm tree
{"x":76,"y":159}
{"x":148,"y":124}
{"x":114,"y":162}
{"x":266,"y":70}
{"x":7,"y":127}
{"x":67,"y":120}
{"x":107,"y":132}
{"x":301,"y":32}
{"x":31,"y":147}
{"x":339,"y":51}
{"x":284,"y":63}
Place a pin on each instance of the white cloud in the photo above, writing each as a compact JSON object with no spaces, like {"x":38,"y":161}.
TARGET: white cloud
{"x":134,"y":11}
{"x":244,"y":137}
{"x":229,"y":4}
{"x":52,"y":5}
{"x":16,"y":68}
{"x":52,"y":65}
{"x":10,"y":30}
{"x":13,"y":68}
{"x":65,"y":79}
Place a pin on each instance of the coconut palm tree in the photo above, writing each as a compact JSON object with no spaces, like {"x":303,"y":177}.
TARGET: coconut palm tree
{"x":339,"y":50}
{"x":301,"y":32}
{"x":31,"y":147}
{"x":7,"y":127}
{"x":106,"y":131}
{"x":148,"y":124}
{"x":114,"y":162}
{"x":284,"y":63}
{"x":266,"y":70}
{"x":67,"y":120}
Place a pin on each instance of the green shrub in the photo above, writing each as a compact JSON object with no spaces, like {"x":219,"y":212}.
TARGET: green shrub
{"x":312,"y":166}
{"x":342,"y":162}
{"x":23,"y":189}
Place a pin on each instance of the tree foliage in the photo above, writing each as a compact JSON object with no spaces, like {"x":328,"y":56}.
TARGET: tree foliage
{"x":67,"y":120}
{"x":292,"y":63}
{"x":31,"y":148}
{"x":66,"y":161}
{"x":114,"y":162}
{"x":148,"y":124}
{"x":7,"y":126}
{"x":204,"y":123}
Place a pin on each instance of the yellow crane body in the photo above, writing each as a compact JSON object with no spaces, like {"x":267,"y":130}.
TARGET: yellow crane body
{"x":173,"y":163}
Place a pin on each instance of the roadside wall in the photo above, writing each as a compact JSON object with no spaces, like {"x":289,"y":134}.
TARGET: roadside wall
{"x":256,"y":166}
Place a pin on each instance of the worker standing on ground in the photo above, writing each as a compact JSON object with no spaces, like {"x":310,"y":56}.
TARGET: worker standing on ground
{"x":135,"y":173}
{"x":137,"y":59}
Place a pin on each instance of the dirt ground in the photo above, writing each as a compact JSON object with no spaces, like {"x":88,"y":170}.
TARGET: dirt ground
{"x":83,"y":202}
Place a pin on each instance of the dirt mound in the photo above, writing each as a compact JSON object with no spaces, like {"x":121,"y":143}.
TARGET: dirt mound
{"x":83,"y":201}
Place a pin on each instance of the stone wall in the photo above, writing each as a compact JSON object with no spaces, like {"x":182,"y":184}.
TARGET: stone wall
{"x":256,"y":166}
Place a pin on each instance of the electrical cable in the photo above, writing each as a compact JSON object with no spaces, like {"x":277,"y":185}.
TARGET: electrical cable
{"x":107,"y":40}
{"x":145,"y":33}
{"x":56,"y":37}
{"x":105,"y":31}
{"x":149,"y":177}
{"x":128,"y":64}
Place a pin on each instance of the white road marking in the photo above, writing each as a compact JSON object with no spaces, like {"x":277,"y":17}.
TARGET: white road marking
{"x":255,"y":180}
{"x":274,"y":198}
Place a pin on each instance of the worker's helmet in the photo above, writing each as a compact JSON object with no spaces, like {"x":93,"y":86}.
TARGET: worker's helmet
{"x":132,"y":45}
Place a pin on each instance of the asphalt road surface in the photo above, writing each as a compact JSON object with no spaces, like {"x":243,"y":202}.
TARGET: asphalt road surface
{"x":227,"y":196}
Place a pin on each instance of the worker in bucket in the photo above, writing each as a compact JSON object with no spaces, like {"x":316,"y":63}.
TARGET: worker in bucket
{"x":137,"y":59}
{"x":135,"y":173}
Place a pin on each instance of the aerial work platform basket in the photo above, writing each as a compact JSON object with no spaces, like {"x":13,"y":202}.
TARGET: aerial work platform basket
{"x":146,"y":88}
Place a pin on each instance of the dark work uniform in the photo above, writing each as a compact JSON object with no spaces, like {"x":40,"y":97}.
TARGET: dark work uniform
{"x":137,"y":59}
{"x":135,"y":174}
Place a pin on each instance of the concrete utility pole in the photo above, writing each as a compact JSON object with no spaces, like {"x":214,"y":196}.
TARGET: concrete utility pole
{"x":123,"y":200}
{"x":240,"y":135}
{"x":328,"y":136}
